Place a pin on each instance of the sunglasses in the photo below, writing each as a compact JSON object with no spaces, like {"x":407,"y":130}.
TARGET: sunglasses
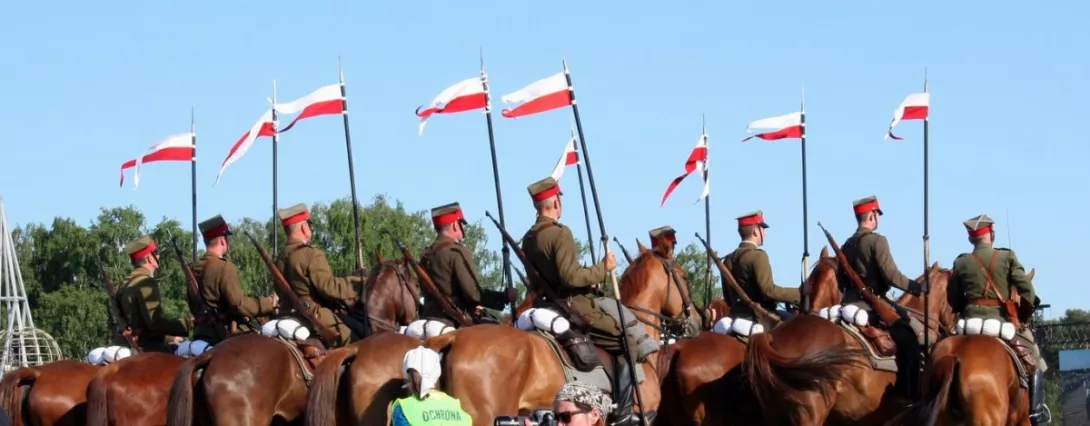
{"x":565,"y":416}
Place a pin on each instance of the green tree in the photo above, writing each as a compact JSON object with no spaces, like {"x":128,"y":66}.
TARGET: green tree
{"x":694,"y":261}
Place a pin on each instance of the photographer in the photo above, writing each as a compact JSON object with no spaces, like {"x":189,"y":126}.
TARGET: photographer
{"x":580,"y":404}
{"x":425,"y":405}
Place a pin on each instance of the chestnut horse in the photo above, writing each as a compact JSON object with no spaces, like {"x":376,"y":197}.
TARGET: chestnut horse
{"x":705,"y":381}
{"x":809,"y":370}
{"x":132,"y":391}
{"x":253,"y":379}
{"x":49,"y":394}
{"x":498,"y":370}
{"x":971,"y":380}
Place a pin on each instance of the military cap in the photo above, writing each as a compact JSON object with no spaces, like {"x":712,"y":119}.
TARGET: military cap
{"x":543,"y":189}
{"x":141,"y":247}
{"x":866,"y":205}
{"x":294,"y":214}
{"x":214,"y":227}
{"x":980,"y":225}
{"x":750,"y":219}
{"x":658,"y":234}
{"x":447,"y":214}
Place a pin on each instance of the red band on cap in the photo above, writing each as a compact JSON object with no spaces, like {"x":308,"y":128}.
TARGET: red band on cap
{"x":448,"y":218}
{"x":218,"y":231}
{"x":546,"y":193}
{"x":982,"y":231}
{"x":751,"y":220}
{"x":143,"y":252}
{"x":866,"y":207}
{"x":296,"y":219}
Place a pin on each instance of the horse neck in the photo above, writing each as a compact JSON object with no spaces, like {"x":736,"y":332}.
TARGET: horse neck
{"x":388,"y":297}
{"x":937,"y":305}
{"x":824,"y":288}
{"x":647,"y":285}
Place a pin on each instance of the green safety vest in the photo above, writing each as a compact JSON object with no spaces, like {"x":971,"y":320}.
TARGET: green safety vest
{"x":438,"y":409}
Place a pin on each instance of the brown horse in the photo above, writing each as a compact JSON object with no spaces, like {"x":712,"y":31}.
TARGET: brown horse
{"x":705,"y":382}
{"x":132,"y":391}
{"x":972,"y":380}
{"x":809,"y":370}
{"x":50,"y":394}
{"x":253,"y":379}
{"x":500,"y":370}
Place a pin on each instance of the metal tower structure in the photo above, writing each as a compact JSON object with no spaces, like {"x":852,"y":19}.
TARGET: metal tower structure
{"x":24,"y":345}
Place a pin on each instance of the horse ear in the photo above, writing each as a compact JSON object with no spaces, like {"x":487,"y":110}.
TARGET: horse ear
{"x":639,"y":244}
{"x":824,"y":252}
{"x":1031,"y":273}
{"x":379,"y":258}
{"x":935,"y":266}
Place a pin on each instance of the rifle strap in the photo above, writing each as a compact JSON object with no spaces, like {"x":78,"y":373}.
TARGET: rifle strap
{"x":989,"y":284}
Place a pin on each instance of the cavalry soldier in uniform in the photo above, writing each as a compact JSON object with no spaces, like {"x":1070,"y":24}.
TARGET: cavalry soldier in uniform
{"x":551,"y":250}
{"x":308,"y":273}
{"x":450,"y":265}
{"x":751,"y":269}
{"x":981,"y":281}
{"x":663,"y":241}
{"x":221,"y":287}
{"x":141,"y":304}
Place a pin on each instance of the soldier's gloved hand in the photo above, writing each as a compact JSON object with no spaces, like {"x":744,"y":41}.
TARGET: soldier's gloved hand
{"x":512,"y":295}
{"x":611,"y":261}
{"x":915,"y":287}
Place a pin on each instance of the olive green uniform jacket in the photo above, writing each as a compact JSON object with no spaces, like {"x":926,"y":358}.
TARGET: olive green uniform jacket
{"x":308,"y":274}
{"x":751,"y":269}
{"x":450,"y":265}
{"x":141,"y":304}
{"x":869,"y":255}
{"x":221,"y":289}
{"x":968,"y":281}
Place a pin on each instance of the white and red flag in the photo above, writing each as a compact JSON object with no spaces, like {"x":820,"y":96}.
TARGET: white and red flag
{"x":698,"y":158}
{"x":570,"y":157}
{"x":788,"y":126}
{"x":173,"y":148}
{"x":543,"y":95}
{"x":914,"y":107}
{"x":263,"y":127}
{"x":465,"y":95}
{"x":326,"y":100}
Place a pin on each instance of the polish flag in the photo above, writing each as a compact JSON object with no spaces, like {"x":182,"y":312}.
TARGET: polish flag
{"x":263,"y":127}
{"x":465,"y":95}
{"x":698,"y":157}
{"x":914,"y":107}
{"x":569,"y":158}
{"x":543,"y":95}
{"x":326,"y":100}
{"x":173,"y":148}
{"x":789,"y":126}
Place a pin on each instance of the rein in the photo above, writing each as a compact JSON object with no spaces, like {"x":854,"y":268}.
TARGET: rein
{"x":666,"y":325}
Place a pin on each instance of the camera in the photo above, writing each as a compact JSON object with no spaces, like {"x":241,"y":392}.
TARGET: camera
{"x":537,"y":418}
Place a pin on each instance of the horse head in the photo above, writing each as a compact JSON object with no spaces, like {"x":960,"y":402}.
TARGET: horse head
{"x":392,"y":293}
{"x":655,"y":287}
{"x":938,"y":308}
{"x":822,"y":282}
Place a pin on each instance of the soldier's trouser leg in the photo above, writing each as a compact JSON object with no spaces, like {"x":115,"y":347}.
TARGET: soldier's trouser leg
{"x":1026,"y":335}
{"x":644,"y":345}
{"x":919,"y":330}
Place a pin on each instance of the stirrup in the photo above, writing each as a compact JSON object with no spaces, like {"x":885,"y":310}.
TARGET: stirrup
{"x":1042,"y":415}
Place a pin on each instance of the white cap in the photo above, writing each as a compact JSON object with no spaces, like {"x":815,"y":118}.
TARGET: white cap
{"x":426,"y":362}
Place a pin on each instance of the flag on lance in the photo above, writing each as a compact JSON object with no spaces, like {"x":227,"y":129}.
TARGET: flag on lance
{"x":569,"y":158}
{"x":263,"y":127}
{"x":173,"y":148}
{"x":327,"y":100}
{"x":697,"y":158}
{"x":788,"y":126}
{"x":465,"y":95}
{"x":547,"y":94}
{"x":914,"y":107}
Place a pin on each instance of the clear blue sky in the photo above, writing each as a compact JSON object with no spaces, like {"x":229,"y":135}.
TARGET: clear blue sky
{"x":87,"y":86}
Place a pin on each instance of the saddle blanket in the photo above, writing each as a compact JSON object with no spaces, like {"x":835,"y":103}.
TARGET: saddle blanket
{"x":107,"y":354}
{"x":548,"y":324}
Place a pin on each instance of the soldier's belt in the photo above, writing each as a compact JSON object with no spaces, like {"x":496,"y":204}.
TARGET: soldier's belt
{"x":986,"y":302}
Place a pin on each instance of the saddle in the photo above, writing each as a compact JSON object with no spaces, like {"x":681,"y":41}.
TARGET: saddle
{"x":875,"y":333}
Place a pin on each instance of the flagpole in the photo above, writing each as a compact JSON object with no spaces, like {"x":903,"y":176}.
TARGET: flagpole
{"x":805,"y":217}
{"x":275,"y":142}
{"x":366,"y":318}
{"x":193,"y":176}
{"x":586,"y":209}
{"x":507,"y":280}
{"x":926,"y":237}
{"x":707,"y":213}
{"x":605,"y":238}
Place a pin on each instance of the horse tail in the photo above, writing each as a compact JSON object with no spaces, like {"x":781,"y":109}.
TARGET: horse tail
{"x":13,"y":390}
{"x":322,"y":398}
{"x":943,"y":375}
{"x":773,"y":375}
{"x":180,"y":399}
{"x":97,"y":397}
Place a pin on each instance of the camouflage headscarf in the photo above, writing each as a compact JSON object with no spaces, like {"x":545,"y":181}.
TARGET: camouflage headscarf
{"x":586,"y":395}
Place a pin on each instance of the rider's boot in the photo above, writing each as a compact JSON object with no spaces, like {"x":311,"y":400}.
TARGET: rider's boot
{"x":1039,"y":412}
{"x":623,"y":390}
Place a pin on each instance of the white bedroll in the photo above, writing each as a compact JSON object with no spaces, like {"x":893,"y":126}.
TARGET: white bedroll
{"x":988,"y":327}
{"x":192,"y":348}
{"x":543,"y":319}
{"x":737,"y":326}
{"x":850,"y":314}
{"x":286,"y":328}
{"x":108,"y":354}
{"x":424,"y":328}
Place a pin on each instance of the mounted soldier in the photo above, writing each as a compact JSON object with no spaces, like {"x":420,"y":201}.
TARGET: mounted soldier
{"x":140,"y":302}
{"x":308,"y":273}
{"x":752,"y":270}
{"x":983,"y":283}
{"x":221,"y":287}
{"x":451,"y":266}
{"x":550,"y":247}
